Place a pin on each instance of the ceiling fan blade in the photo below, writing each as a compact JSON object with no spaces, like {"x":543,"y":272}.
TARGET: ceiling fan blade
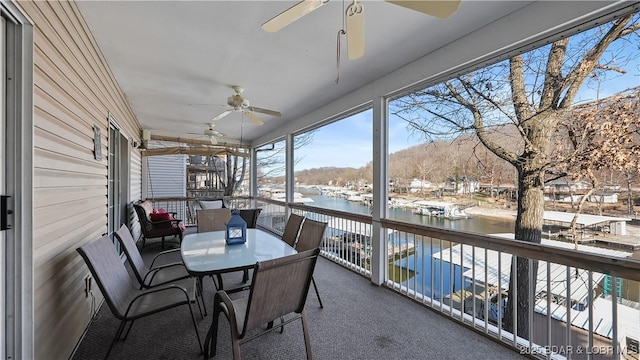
{"x":228,"y":140}
{"x":292,"y":14}
{"x":221,"y":115}
{"x":256,"y":120}
{"x":355,"y":30}
{"x":264,"y":111}
{"x":439,"y":9}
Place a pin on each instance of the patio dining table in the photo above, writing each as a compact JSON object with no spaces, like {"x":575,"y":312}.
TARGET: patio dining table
{"x":207,"y":253}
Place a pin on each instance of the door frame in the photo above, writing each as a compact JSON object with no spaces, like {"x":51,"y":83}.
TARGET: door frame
{"x":17,"y":302}
{"x":120,"y":214}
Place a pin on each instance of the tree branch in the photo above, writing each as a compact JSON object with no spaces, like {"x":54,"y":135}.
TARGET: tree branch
{"x":574,"y":80}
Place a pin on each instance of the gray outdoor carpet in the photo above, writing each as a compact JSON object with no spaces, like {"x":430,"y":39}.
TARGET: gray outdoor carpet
{"x":359,"y":321}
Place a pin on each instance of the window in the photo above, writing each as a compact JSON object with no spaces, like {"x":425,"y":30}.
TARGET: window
{"x":333,"y":167}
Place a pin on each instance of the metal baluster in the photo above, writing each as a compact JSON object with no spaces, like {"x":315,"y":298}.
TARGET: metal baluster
{"x":614,"y":315}
{"x":568,"y":302}
{"x":473,"y":285}
{"x":514,"y":297}
{"x":549,"y":308}
{"x":590,"y":297}
{"x":487,"y":299}
{"x":432,"y":272}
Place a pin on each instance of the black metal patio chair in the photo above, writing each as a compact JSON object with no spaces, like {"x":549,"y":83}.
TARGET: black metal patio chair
{"x":125,"y":300}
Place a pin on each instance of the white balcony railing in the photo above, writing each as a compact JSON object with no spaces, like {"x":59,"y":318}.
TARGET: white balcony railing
{"x":466,"y":276}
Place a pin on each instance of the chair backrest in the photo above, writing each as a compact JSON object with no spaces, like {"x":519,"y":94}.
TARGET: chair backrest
{"x":311,"y":235}
{"x":250,"y":216}
{"x":292,"y":228}
{"x":110,"y":274}
{"x":143,"y":210}
{"x":133,"y":254}
{"x":213,"y":219}
{"x":279,"y":287}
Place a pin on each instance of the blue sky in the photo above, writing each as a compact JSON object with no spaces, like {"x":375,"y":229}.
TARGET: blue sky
{"x":347,"y":143}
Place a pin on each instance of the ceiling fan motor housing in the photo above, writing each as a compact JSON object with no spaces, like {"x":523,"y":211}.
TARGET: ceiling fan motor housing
{"x":237,"y":102}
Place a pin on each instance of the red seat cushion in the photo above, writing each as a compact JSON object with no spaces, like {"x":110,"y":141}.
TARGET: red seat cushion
{"x":158,"y":216}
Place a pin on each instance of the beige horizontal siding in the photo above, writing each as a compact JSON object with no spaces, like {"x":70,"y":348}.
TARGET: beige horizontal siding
{"x":73,"y":91}
{"x":135,"y":192}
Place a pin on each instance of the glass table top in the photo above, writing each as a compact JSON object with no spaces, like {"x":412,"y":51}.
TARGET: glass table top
{"x":207,"y":253}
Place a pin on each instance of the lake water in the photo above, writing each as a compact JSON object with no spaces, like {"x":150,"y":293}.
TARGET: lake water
{"x":423,"y":269}
{"x":418,"y":271}
{"x":484,"y":225}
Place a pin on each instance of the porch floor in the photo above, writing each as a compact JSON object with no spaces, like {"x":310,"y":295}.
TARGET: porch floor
{"x":359,"y":321}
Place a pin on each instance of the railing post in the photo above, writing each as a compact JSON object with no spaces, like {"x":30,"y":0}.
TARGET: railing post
{"x":253,"y":173}
{"x":289,"y":173}
{"x":380,"y":192}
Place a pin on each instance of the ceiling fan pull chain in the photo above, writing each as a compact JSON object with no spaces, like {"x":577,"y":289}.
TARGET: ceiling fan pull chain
{"x":340,"y":32}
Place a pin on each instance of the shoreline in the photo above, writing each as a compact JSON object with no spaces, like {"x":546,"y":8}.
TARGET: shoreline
{"x":503,"y":214}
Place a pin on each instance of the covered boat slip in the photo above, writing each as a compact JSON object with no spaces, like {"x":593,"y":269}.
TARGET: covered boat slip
{"x":491,"y":269}
{"x":498,"y":269}
{"x":439,"y":208}
{"x":587,"y":222}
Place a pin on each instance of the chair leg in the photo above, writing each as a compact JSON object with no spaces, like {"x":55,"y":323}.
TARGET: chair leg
{"x":198,"y":302}
{"x":200,"y":291}
{"x":211,"y":341}
{"x":115,"y":338}
{"x":220,"y":285}
{"x":195,"y":327}
{"x":127,"y":333}
{"x":235,"y":344}
{"x":305,"y":332}
{"x":317,"y":293}
{"x":245,"y":276}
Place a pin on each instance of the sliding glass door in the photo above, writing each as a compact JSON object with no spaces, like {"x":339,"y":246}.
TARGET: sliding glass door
{"x":118,"y":178}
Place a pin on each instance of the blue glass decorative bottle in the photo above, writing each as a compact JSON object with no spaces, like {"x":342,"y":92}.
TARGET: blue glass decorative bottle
{"x":236,"y":232}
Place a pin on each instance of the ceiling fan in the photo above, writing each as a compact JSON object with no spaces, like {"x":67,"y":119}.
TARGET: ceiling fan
{"x":214,"y":135}
{"x":238,"y":103}
{"x":355,"y":18}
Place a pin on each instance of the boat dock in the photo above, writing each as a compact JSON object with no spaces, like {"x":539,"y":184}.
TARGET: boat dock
{"x":359,"y":248}
{"x":625,"y":242}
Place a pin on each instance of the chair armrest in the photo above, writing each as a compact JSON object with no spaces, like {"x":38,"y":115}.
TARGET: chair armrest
{"x":222,"y":299}
{"x":160,"y":222}
{"x":221,"y":303}
{"x":171,"y":287}
{"x":152,"y":272}
{"x":166,"y":252}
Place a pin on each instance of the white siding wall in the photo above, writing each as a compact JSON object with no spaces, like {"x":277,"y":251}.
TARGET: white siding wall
{"x":73,"y":91}
{"x":135,"y":190}
{"x":167,"y":177}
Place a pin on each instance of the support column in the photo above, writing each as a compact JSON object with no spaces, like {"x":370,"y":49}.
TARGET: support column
{"x":290,"y":178}
{"x":380,"y":191}
{"x":253,"y":172}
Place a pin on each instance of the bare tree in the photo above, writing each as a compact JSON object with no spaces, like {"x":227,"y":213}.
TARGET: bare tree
{"x":235,"y":169}
{"x":601,"y":135}
{"x":529,"y":94}
{"x":270,"y":163}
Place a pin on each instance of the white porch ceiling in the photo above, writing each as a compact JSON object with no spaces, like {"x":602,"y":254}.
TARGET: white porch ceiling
{"x":167,"y":55}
